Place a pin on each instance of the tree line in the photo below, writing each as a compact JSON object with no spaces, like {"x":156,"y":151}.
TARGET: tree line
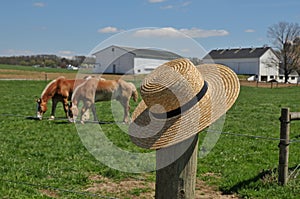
{"x":43,"y":61}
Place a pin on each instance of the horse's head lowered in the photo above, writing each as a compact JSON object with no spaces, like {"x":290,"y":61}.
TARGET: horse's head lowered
{"x":41,"y":108}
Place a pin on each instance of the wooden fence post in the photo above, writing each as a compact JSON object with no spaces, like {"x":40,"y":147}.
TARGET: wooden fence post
{"x":284,"y":146}
{"x":177,"y":180}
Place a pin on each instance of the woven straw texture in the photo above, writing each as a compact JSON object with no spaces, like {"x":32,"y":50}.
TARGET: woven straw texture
{"x":173,"y":85}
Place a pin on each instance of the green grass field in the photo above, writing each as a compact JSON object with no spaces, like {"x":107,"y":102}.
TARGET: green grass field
{"x":43,"y":155}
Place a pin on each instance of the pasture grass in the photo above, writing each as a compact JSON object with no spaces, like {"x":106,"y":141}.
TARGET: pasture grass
{"x":42,"y":155}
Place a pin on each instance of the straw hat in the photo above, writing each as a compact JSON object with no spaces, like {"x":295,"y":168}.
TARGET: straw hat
{"x":180,"y":100}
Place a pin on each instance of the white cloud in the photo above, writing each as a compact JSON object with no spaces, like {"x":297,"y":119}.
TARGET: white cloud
{"x":109,"y":29}
{"x":65,"y":52}
{"x":156,"y":1}
{"x":166,"y":7}
{"x":39,"y":4}
{"x":249,"y":30}
{"x":15,"y":52}
{"x":200,"y":33}
{"x":186,"y":3}
{"x":176,"y":6}
{"x":159,"y":32}
{"x":172,"y":32}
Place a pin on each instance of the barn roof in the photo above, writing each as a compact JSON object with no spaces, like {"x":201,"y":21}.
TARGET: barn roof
{"x":148,"y":53}
{"x":237,"y":53}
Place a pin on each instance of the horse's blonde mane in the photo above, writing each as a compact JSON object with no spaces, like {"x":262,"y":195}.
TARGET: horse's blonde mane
{"x":50,"y":84}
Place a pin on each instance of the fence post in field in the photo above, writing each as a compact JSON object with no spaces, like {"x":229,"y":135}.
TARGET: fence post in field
{"x":177,"y":180}
{"x":284,"y":146}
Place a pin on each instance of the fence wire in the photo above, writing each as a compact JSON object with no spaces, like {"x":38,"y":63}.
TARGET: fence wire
{"x":294,"y":174}
{"x":208,"y":131}
{"x":253,"y":136}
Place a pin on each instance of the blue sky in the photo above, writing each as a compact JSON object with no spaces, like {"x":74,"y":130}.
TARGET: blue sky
{"x":76,"y":27}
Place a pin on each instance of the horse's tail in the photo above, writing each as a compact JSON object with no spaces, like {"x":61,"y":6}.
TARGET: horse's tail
{"x":135,"y":94}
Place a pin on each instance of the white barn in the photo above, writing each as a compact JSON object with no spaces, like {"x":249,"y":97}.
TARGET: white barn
{"x":126,"y":60}
{"x":262,"y":63}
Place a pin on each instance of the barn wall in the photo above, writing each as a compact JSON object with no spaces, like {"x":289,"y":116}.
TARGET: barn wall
{"x":145,"y":66}
{"x":241,"y":66}
{"x":264,"y":68}
{"x":124,"y":64}
{"x":113,"y":60}
{"x":269,"y":65}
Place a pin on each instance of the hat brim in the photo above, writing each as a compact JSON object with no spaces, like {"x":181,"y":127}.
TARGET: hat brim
{"x":149,"y":132}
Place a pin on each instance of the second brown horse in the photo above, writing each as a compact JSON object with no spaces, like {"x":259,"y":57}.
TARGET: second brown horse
{"x":96,"y":90}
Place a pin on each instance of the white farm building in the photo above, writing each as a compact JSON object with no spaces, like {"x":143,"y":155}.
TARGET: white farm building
{"x":247,"y":61}
{"x":126,"y":60}
{"x":261,"y":63}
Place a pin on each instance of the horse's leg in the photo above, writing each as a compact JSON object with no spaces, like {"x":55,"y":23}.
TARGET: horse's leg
{"x":70,"y":109}
{"x":94,"y":111}
{"x":125,"y":104}
{"x":84,"y":108}
{"x":54,"y":104}
{"x":66,"y":106}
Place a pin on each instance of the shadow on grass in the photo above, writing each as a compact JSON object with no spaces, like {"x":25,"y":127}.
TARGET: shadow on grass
{"x":88,"y":122}
{"x":249,"y":182}
{"x":31,"y":118}
{"x":66,"y":121}
{"x":297,"y":136}
{"x":266,"y":177}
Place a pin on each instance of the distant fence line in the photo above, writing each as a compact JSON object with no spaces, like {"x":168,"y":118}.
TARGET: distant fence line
{"x":266,"y":84}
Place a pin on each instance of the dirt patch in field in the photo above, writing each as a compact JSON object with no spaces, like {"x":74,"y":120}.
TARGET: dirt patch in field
{"x":31,"y":75}
{"x":49,"y":193}
{"x":34,"y":75}
{"x":142,"y":188}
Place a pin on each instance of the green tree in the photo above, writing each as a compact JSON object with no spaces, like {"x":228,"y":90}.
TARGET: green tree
{"x":49,"y":63}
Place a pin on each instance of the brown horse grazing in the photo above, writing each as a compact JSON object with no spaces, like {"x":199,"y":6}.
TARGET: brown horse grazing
{"x":96,"y":90}
{"x":59,"y":90}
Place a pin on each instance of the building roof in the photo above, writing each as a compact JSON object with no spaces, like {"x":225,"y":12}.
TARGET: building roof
{"x":293,"y":73}
{"x":237,"y":53}
{"x":147,"y":53}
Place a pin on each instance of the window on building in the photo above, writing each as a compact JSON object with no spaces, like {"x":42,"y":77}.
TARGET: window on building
{"x":149,"y":69}
{"x":292,"y":78}
{"x":263,"y":78}
{"x":271,"y":76}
